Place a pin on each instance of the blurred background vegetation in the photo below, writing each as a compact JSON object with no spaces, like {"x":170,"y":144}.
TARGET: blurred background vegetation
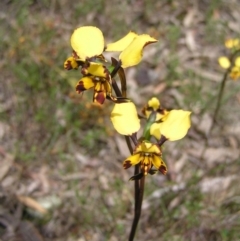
{"x":61,"y":152}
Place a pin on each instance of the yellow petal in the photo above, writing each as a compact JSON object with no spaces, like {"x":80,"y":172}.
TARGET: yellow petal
{"x":232,"y":43}
{"x":224,"y":62}
{"x":96,"y":69}
{"x":146,"y":163}
{"x":235,"y":73}
{"x":87,"y":42}
{"x":125,"y":118}
{"x":237,"y":61}
{"x":70,"y":63}
{"x":159,"y":164}
{"x":132,"y":55}
{"x":154,"y":103}
{"x":236,"y":43}
{"x":121,"y":44}
{"x":155,"y":130}
{"x":149,"y":147}
{"x":84,"y":84}
{"x":131,"y":161}
{"x":138,"y":148}
{"x":176,"y":125}
{"x":229,"y":43}
{"x":107,"y":87}
{"x":98,"y":86}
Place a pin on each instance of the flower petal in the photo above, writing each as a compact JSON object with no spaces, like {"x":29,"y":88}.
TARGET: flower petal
{"x":224,"y":62}
{"x":99,"y":97}
{"x":96,"y":69}
{"x":125,"y":118}
{"x":107,"y":87}
{"x":137,"y":176}
{"x":232,"y":43}
{"x":84,"y":84}
{"x":149,"y":147}
{"x":176,"y":125}
{"x":138,"y":148}
{"x":154,"y":103}
{"x":155,"y":130}
{"x":122,"y":43}
{"x":159,"y":164}
{"x":131,"y":161}
{"x":70,"y":63}
{"x":235,"y":72}
{"x":237,"y":61}
{"x":154,"y":106}
{"x":132,"y":55}
{"x":146,"y":163}
{"x":87,"y":42}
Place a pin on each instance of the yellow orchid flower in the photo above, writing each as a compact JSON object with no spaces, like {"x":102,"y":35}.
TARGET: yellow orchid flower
{"x":102,"y":87}
{"x":148,"y":155}
{"x":125,"y":119}
{"x":88,"y":43}
{"x":235,"y":72}
{"x":154,"y":105}
{"x":172,"y":124}
{"x":225,"y":63}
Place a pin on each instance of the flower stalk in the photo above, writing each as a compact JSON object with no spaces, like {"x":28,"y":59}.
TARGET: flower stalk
{"x":139,"y":192}
{"x":229,"y":65}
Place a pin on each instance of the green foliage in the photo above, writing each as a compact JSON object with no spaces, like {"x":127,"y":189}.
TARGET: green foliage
{"x":173,"y":35}
{"x":172,"y":67}
{"x":84,"y":7}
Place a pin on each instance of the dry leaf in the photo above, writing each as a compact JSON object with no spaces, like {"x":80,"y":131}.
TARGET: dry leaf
{"x":190,"y":17}
{"x":31,"y":203}
{"x":190,"y":40}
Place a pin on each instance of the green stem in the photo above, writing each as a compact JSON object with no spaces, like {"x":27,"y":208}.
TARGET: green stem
{"x":220,"y":95}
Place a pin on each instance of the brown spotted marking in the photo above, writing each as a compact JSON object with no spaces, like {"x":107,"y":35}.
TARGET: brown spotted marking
{"x":80,"y":87}
{"x":127,"y":164}
{"x":99,"y":97}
